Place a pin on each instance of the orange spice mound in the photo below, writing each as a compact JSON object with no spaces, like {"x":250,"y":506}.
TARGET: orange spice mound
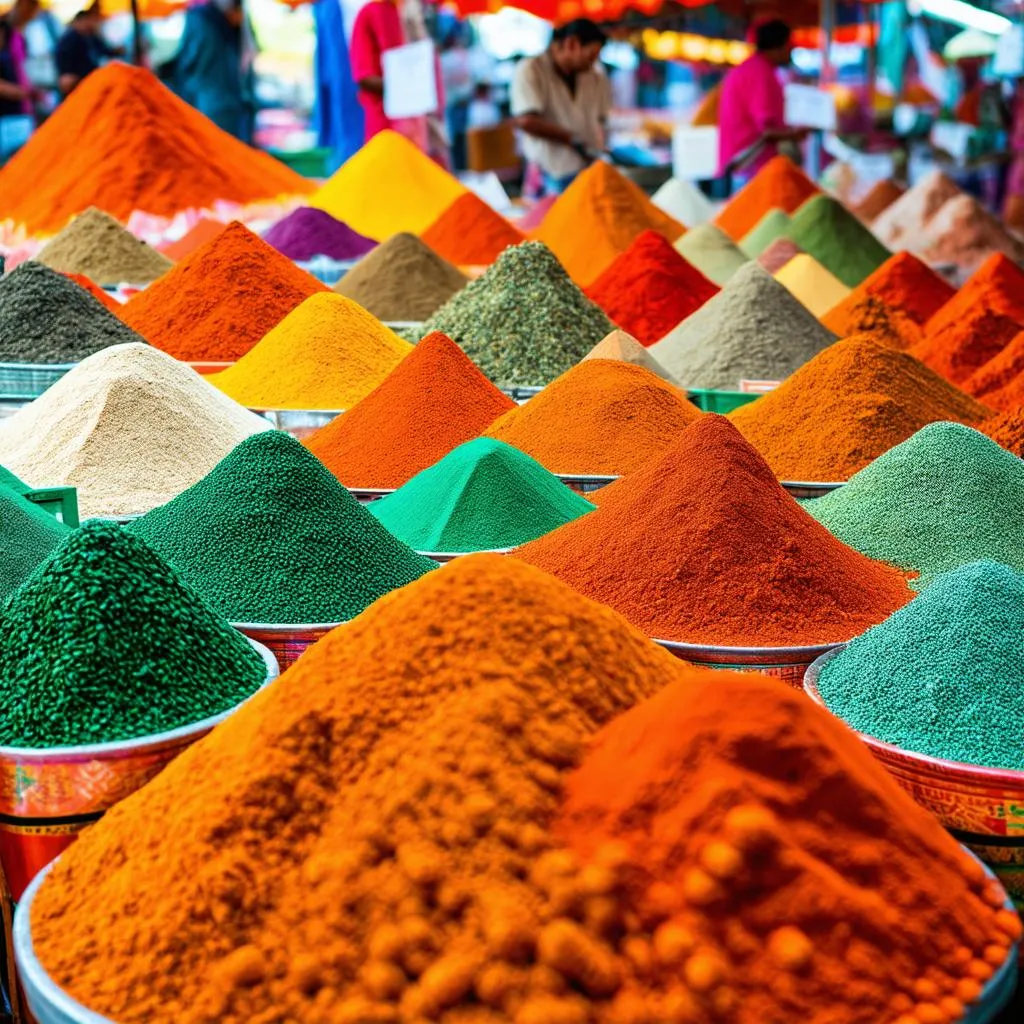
{"x":957,"y":350}
{"x":781,"y":873}
{"x":221,"y":300}
{"x":780,"y":184}
{"x":124,"y":142}
{"x":598,"y":217}
{"x":470,"y":233}
{"x":881,"y":196}
{"x":998,"y":284}
{"x":1008,"y":430}
{"x":866,"y":314}
{"x":847,"y":406}
{"x":204,"y":230}
{"x":906,"y":283}
{"x":1008,"y":397}
{"x":601,"y":418}
{"x":999,"y":372}
{"x":433,"y":401}
{"x":704,"y":546}
{"x":96,"y":292}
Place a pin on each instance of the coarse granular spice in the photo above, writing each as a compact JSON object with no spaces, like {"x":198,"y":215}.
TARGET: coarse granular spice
{"x":623,"y":348}
{"x":753,"y":329}
{"x":470,"y":233}
{"x":268,"y":535}
{"x":940,"y":677}
{"x":523,"y":322}
{"x":901,"y":225}
{"x":712,"y":252}
{"x":433,"y":401}
{"x":860,"y":313}
{"x":1007,"y":430}
{"x":306,"y":233}
{"x":999,"y":373}
{"x":905,"y":283}
{"x":816,"y":288}
{"x":685,"y":202}
{"x":484,"y":495}
{"x":778,"y":254}
{"x":124,"y":142}
{"x":998,"y":284}
{"x":104,"y":298}
{"x":703,"y":546}
{"x":601,"y":418}
{"x":27,"y":535}
{"x":650,"y":288}
{"x":45,"y":318}
{"x":778,"y":871}
{"x":369,"y":831}
{"x":327,"y":353}
{"x":771,"y":227}
{"x":779,"y":185}
{"x":216,"y":304}
{"x":826,"y":230}
{"x":1011,"y":395}
{"x":97,"y":245}
{"x":957,"y":350}
{"x":206,"y":229}
{"x":130,"y":427}
{"x":965,"y":234}
{"x":403,"y":279}
{"x":879,"y":198}
{"x":846,"y":407}
{"x":103,"y":642}
{"x":599,"y":216}
{"x":944,"y":497}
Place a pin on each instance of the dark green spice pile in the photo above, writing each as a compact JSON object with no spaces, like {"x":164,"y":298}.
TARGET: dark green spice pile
{"x":27,"y":535}
{"x":47,"y":318}
{"x":104,"y":643}
{"x":524,"y":322}
{"x":942,"y":676}
{"x":270,"y":536}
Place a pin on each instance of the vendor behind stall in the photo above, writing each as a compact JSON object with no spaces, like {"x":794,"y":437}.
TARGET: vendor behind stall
{"x":82,"y":48}
{"x":560,"y":101}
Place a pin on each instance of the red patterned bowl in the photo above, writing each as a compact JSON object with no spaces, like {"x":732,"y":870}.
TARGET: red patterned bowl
{"x":786,"y":663}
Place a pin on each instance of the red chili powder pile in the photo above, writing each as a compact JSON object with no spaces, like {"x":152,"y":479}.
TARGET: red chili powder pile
{"x":1009,"y":397}
{"x":650,"y":288}
{"x":704,"y":546}
{"x":601,"y":418}
{"x":598,"y":217}
{"x":216,"y":304}
{"x":958,"y":349}
{"x":1001,"y":371}
{"x":97,"y":292}
{"x":123,"y":142}
{"x":907,"y":284}
{"x":780,"y":184}
{"x":1008,"y":430}
{"x":847,"y":406}
{"x":470,"y":233}
{"x":998,"y":284}
{"x":435,"y":399}
{"x":867,"y":314}
{"x":204,"y":230}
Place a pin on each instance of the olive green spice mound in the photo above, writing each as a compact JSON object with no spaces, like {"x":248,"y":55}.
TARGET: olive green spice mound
{"x":270,"y":536}
{"x":524,"y":322}
{"x":941,"y":676}
{"x":103,"y":643}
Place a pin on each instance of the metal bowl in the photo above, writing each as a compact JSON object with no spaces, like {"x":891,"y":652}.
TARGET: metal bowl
{"x":449,"y":556}
{"x":800,"y":489}
{"x":585,"y":484}
{"x":364,"y":495}
{"x":287,"y":642}
{"x":786,"y":663}
{"x":982,"y":807}
{"x":300,"y":423}
{"x":49,"y":794}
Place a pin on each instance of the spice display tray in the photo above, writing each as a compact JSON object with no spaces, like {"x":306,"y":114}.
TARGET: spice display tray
{"x":286,"y":642}
{"x":60,"y":502}
{"x":786,"y":663}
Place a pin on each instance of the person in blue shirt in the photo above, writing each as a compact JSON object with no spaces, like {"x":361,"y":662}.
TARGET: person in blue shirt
{"x":81,"y":49}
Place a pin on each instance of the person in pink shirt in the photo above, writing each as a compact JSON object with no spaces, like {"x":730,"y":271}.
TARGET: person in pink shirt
{"x":20,"y":14}
{"x":752,"y":105}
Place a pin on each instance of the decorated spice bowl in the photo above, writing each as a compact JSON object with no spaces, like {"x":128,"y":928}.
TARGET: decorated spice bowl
{"x":981,"y":807}
{"x":286,"y":642}
{"x":786,"y":663}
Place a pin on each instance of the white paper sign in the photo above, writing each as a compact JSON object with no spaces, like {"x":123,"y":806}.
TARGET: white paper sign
{"x":410,"y":80}
{"x":1009,"y":58}
{"x":695,"y":152}
{"x":808,"y":107}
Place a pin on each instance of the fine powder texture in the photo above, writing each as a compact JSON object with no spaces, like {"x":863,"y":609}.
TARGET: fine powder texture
{"x":307,"y":232}
{"x":879,"y":198}
{"x":965,"y":234}
{"x":753,"y":329}
{"x":941,"y":676}
{"x":780,"y":185}
{"x":889,"y":325}
{"x":217,"y":303}
{"x":623,"y":348}
{"x":999,"y":383}
{"x":826,"y":230}
{"x":124,"y":142}
{"x":807,"y":280}
{"x":598,"y":217}
{"x":470,"y":233}
{"x":328,"y":353}
{"x":906,"y":283}
{"x":45,"y":318}
{"x":778,"y":254}
{"x":703,"y":546}
{"x":902,"y":224}
{"x":684,"y":201}
{"x":712,"y":252}
{"x":650,"y":289}
{"x":957,"y":350}
{"x":771,"y":227}
{"x":206,"y":229}
{"x":432,"y":402}
{"x":944,"y":497}
{"x":270,"y":536}
{"x":484,"y":495}
{"x":130,"y":427}
{"x":600,"y":418}
{"x":103,"y":642}
{"x":97,"y":245}
{"x":855,"y":401}
{"x":27,"y":535}
{"x":403,"y":279}
{"x":105,"y":299}
{"x":524,"y":321}
{"x":1007,"y":430}
{"x":998,"y":285}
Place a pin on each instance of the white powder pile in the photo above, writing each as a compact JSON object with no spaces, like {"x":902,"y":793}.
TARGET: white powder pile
{"x":130,"y":427}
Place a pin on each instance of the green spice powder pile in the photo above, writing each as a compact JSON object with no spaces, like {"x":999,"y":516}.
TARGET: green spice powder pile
{"x":944,"y":497}
{"x":270,"y":536}
{"x":524,"y":322}
{"x":104,"y":643}
{"x":483,"y":495}
{"x":27,"y":535}
{"x":942,"y":676}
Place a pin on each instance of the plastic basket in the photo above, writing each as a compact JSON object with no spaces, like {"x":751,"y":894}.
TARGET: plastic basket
{"x":801,"y":490}
{"x":286,"y":642}
{"x":709,"y":400}
{"x":29,"y":380}
{"x":786,"y":663}
{"x":585,"y":484}
{"x":48,"y":795}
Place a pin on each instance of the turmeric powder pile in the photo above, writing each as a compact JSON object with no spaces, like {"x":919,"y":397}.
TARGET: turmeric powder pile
{"x":385,"y":836}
